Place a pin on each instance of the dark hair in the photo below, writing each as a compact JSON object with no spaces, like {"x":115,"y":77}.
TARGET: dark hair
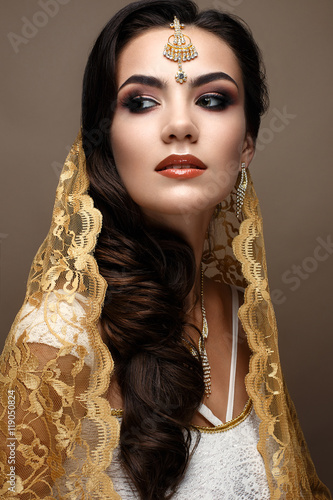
{"x":150,"y":272}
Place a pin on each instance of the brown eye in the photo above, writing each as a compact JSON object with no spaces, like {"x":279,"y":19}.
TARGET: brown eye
{"x":139,"y":104}
{"x":214,"y":102}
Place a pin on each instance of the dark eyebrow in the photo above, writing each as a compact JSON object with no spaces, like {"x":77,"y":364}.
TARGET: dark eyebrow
{"x":144,"y":80}
{"x":152,"y":81}
{"x":211,"y":77}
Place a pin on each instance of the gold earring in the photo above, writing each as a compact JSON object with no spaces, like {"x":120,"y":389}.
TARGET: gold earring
{"x":178,"y":50}
{"x":241,"y":190}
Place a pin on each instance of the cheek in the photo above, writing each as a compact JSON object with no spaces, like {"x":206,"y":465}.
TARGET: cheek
{"x":120,"y":144}
{"x":129,"y":151}
{"x":227,"y":142}
{"x":226,"y":139}
{"x":129,"y":144}
{"x":233,"y":135}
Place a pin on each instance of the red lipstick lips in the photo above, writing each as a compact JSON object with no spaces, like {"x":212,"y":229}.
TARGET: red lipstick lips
{"x":181,"y":167}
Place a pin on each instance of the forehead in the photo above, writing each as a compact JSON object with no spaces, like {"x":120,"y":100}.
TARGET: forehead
{"x":144,"y":55}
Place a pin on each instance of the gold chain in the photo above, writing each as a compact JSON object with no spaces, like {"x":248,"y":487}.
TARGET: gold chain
{"x":202,"y":340}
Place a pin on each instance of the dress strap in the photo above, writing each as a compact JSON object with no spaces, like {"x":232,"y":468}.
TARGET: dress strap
{"x":209,"y":415}
{"x":233,"y":365}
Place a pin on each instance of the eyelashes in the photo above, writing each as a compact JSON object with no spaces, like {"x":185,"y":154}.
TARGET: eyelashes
{"x":213,"y":101}
{"x":138,"y":104}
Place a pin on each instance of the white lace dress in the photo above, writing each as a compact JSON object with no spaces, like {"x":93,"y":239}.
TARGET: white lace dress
{"x":225,"y":465}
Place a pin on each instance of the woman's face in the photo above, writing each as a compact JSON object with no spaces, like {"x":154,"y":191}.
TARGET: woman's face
{"x":157,"y":119}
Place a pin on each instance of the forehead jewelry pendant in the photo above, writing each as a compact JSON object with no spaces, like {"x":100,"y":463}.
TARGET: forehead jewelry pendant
{"x":180,"y":49}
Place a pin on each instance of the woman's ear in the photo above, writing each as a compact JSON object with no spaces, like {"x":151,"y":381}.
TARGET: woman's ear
{"x":248,"y":149}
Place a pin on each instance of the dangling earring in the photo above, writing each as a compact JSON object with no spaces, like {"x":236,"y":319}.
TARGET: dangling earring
{"x":241,"y":190}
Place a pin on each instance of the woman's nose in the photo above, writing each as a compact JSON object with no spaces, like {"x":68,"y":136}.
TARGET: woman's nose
{"x":180,"y":126}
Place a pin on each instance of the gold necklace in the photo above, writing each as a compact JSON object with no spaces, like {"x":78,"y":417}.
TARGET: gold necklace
{"x":202,"y":346}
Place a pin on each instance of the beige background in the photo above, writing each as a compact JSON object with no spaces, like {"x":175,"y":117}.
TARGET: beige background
{"x":40,"y":104}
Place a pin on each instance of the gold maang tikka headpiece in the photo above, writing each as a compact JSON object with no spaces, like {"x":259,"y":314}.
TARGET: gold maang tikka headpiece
{"x":179,"y":51}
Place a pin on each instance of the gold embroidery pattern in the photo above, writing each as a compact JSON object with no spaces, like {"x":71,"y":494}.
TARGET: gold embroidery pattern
{"x":290,"y":471}
{"x":54,"y":389}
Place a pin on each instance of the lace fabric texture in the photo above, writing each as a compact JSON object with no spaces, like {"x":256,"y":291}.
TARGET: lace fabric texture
{"x":59,"y":380}
{"x":55,"y":368}
{"x":224,"y":465}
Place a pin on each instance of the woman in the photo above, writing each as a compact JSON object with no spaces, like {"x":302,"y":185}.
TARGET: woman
{"x":126,"y":373}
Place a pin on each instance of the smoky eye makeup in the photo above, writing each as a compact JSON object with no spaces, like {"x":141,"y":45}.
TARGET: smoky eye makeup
{"x":138,"y":102}
{"x":211,"y":97}
{"x":215,"y":101}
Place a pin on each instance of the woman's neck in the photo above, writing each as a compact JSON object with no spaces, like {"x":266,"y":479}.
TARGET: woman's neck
{"x":193,"y":229}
